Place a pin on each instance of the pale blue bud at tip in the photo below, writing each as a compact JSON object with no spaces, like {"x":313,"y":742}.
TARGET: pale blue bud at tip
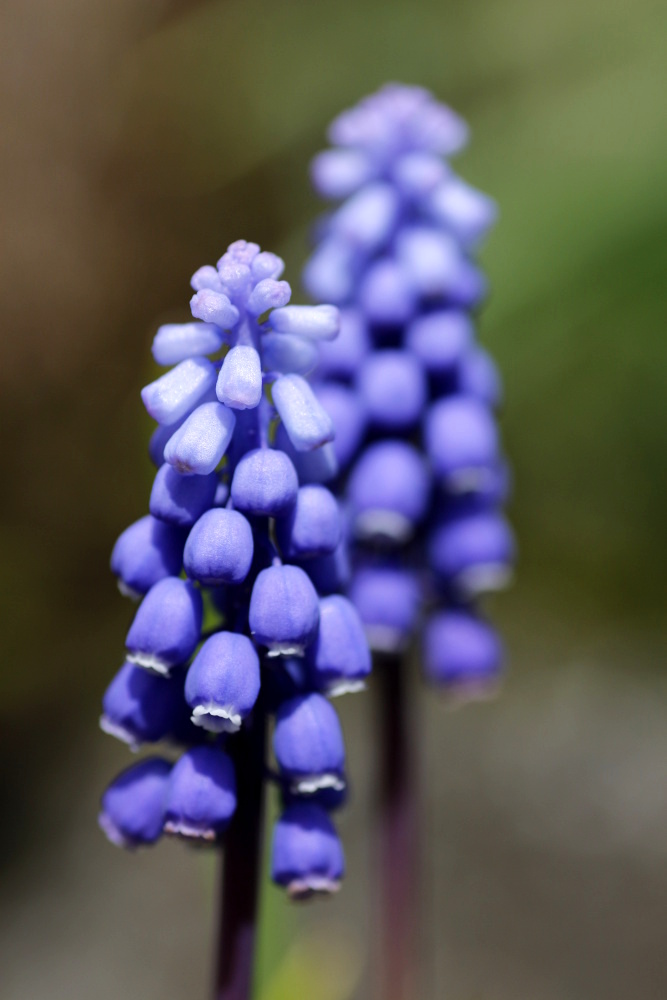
{"x":338,"y":173}
{"x":240,"y":252}
{"x":145,"y":553}
{"x":198,"y":445}
{"x":132,"y":812}
{"x":367,"y":219}
{"x":206,"y":277}
{"x":175,"y":342}
{"x":166,"y":627}
{"x":214,"y":307}
{"x":308,"y":744}
{"x":219,"y":548}
{"x":312,"y":527}
{"x":235,"y":277}
{"x":201,"y":795}
{"x":284,"y":610}
{"x":306,"y":854}
{"x":174,"y":394}
{"x":240,"y":381}
{"x":140,"y":707}
{"x":267,"y":265}
{"x":316,"y":322}
{"x":463,"y":655}
{"x":181,"y":500}
{"x":307,"y":423}
{"x":268,"y":294}
{"x":222,"y":683}
{"x":265,"y":483}
{"x":339,"y":660}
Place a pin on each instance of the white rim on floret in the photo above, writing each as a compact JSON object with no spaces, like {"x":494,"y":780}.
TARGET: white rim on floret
{"x":149,"y":661}
{"x":285,"y":649}
{"x":126,"y":591}
{"x":386,"y":639}
{"x":179,"y":828}
{"x":112,"y":728}
{"x":311,"y":783}
{"x":216,"y":718}
{"x":484,"y":577}
{"x":301,"y":888}
{"x":344,"y":686}
{"x":469,"y":480}
{"x":387,"y":523}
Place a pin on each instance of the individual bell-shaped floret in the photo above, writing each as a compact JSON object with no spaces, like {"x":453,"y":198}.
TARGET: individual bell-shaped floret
{"x":313,"y":525}
{"x":473,"y":553}
{"x":338,"y":173}
{"x":175,"y":342}
{"x":265,"y":483}
{"x":416,"y":175}
{"x":140,"y":707}
{"x":166,"y":627}
{"x":240,"y":381}
{"x":219,"y":548}
{"x":307,"y":856}
{"x":181,"y":500}
{"x":308,"y":744}
{"x":366,"y":219}
{"x":315,"y":322}
{"x":200,"y":442}
{"x":175,"y":394}
{"x":389,"y":490}
{"x":133,"y":805}
{"x":462,"y":442}
{"x":440,"y":340}
{"x":386,"y":294}
{"x":463,"y":654}
{"x":146,"y":552}
{"x":349,"y":418}
{"x":339,"y":660}
{"x":431,"y":259}
{"x":222,"y":683}
{"x":201,"y":794}
{"x":307,"y":423}
{"x":392,"y":387}
{"x":284,"y":610}
{"x":387,"y":599}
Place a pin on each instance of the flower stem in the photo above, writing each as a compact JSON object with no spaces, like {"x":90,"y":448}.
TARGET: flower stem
{"x":241,"y":869}
{"x":398,"y":847}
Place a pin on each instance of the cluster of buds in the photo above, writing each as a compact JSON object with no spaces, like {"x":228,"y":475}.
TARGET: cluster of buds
{"x":411,"y":392}
{"x":237,"y":611}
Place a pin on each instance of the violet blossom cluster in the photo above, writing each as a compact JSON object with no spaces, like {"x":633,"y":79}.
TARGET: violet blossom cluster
{"x":225,"y":565}
{"x":412,"y":393}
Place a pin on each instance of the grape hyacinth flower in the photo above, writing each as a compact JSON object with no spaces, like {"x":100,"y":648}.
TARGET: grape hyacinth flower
{"x":418,"y":454}
{"x":233,"y":623}
{"x":411,"y":390}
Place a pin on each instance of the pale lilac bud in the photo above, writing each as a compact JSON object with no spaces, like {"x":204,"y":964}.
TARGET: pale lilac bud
{"x":174,"y":394}
{"x":199,"y":444}
{"x":306,"y":422}
{"x":240,"y":380}
{"x":214,"y":307}
{"x":175,"y":342}
{"x":268,"y":294}
{"x":316,"y":322}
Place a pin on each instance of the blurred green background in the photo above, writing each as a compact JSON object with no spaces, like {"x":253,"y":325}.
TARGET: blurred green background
{"x":138,"y":140}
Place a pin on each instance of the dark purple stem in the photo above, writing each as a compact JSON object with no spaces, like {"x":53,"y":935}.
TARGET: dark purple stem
{"x":398,"y":832}
{"x":241,"y":869}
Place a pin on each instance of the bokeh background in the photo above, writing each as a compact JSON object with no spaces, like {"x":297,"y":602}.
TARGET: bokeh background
{"x":138,"y":139}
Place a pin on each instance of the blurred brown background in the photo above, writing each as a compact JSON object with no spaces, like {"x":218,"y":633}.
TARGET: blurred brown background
{"x":138,"y":140}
